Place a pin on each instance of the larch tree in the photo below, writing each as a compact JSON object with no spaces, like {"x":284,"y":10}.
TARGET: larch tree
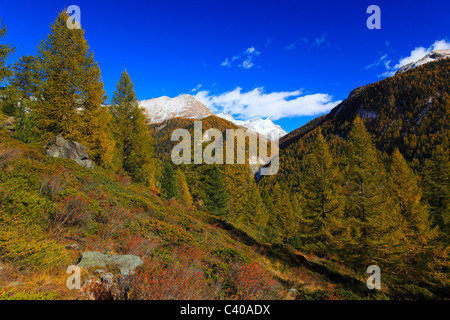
{"x":25,"y":81}
{"x":370,"y":224}
{"x":323,"y":201}
{"x":417,"y":235}
{"x":436,"y":185}
{"x":239,"y":183}
{"x":216,"y":191}
{"x":184,"y":195}
{"x":70,"y":92}
{"x":283,"y":217}
{"x":132,"y":135}
{"x":5,"y":71}
{"x":255,"y":210}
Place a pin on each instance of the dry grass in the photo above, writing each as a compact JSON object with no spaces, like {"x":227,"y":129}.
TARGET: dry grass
{"x":8,"y":155}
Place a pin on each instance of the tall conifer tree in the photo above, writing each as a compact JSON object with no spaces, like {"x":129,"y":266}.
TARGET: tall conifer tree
{"x":417,"y":235}
{"x":71,"y":91}
{"x":216,"y":191}
{"x":323,"y":203}
{"x":185,"y":197}
{"x":370,"y":223}
{"x":169,"y":184}
{"x":25,"y":81}
{"x":5,"y":71}
{"x":133,"y":137}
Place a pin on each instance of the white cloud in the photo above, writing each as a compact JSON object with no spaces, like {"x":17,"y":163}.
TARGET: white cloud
{"x":294,"y":44}
{"x":196,"y":88}
{"x":319,"y":41}
{"x":247,"y":64}
{"x":290,"y":47}
{"x":251,"y":51}
{"x":226,"y":63}
{"x":387,"y":74}
{"x":415,"y":55}
{"x":257,"y":103}
{"x":245,"y":59}
{"x":382,"y":60}
{"x":420,"y":52}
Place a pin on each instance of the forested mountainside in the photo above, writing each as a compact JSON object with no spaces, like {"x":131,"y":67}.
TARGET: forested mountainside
{"x":344,"y":169}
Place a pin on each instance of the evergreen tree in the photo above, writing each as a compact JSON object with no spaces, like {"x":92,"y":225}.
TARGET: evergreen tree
{"x":414,"y":248}
{"x":5,"y":71}
{"x":323,"y":203}
{"x":302,"y":235}
{"x":25,"y":81}
{"x":216,"y":192}
{"x":436,"y":183}
{"x":183,"y":190}
{"x":282,"y":216}
{"x":71,"y":92}
{"x":239,"y":183}
{"x":25,"y":76}
{"x":370,"y":222}
{"x":256,"y":213}
{"x":133,"y":137}
{"x":169,"y":182}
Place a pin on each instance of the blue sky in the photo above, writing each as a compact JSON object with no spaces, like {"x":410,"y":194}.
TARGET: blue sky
{"x":290,"y":60}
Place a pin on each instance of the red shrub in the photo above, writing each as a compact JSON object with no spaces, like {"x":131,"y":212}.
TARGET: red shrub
{"x":251,"y":282}
{"x":53,"y":184}
{"x":71,"y":211}
{"x":123,"y":179}
{"x":136,"y":244}
{"x":157,"y":281}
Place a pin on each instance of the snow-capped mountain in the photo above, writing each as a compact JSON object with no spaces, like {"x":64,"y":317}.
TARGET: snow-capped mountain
{"x":432,"y":56}
{"x":265,"y":127}
{"x":186,"y":106}
{"x":164,"y":108}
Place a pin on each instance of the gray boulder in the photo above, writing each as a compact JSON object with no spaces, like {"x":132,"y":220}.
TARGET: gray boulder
{"x":62,"y":148}
{"x":8,"y":123}
{"x":126,"y":263}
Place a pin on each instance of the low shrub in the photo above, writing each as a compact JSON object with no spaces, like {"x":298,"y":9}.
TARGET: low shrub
{"x":251,"y":282}
{"x":159,"y":281}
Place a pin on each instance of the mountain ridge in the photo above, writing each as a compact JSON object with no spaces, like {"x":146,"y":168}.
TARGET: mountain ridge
{"x":159,"y":110}
{"x":434,"y":55}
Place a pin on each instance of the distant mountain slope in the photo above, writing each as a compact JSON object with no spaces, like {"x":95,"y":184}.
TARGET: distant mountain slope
{"x":265,"y":127}
{"x":432,"y":56}
{"x":165,"y":108}
{"x":186,"y":106}
{"x":409,"y":111}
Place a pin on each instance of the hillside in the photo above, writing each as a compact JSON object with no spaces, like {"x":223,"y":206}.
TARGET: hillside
{"x":55,"y":209}
{"x":344,"y":167}
{"x":398,"y":111}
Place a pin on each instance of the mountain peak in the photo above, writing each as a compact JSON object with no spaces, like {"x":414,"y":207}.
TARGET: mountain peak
{"x":264,"y":127}
{"x":164,"y":108}
{"x":434,"y":55}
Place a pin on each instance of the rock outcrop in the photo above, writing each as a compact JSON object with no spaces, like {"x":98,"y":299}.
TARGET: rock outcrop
{"x":62,"y":148}
{"x":8,"y":123}
{"x":126,"y":263}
